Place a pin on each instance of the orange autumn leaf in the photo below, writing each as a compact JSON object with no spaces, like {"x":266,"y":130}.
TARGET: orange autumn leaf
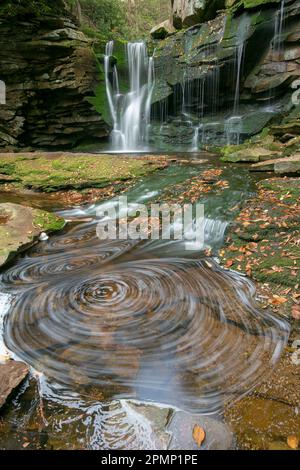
{"x":277,"y":300}
{"x":229,"y":263}
{"x":293,"y":442}
{"x":199,"y":435}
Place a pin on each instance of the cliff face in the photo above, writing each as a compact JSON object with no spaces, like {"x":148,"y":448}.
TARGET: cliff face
{"x":50,"y":72}
{"x":190,"y":12}
{"x":245,"y":61}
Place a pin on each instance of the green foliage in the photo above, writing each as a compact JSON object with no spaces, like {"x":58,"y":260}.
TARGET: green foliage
{"x":105,"y":16}
{"x":142,"y":15}
{"x":11,"y":8}
{"x":100,"y":19}
{"x":120,"y":19}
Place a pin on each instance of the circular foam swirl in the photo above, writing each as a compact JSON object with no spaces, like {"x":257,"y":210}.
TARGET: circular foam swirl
{"x":170,"y":330}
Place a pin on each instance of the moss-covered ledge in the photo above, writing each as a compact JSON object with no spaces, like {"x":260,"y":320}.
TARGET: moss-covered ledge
{"x":51,"y":172}
{"x":20,"y":226}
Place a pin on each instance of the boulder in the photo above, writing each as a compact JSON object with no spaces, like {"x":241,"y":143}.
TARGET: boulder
{"x":251,"y":154}
{"x":190,"y":12}
{"x":12,"y":375}
{"x":162,"y":30}
{"x":281,"y":166}
{"x":218,"y":435}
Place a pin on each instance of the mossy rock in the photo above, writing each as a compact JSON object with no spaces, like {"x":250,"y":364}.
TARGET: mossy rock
{"x":63,"y":171}
{"x":21,"y":225}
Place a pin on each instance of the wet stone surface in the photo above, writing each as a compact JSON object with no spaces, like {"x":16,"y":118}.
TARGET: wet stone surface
{"x":12,"y":375}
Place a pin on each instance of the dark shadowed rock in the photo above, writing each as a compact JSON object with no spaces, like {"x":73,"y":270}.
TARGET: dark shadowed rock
{"x":11,"y":376}
{"x":162,"y":30}
{"x":50,"y":72}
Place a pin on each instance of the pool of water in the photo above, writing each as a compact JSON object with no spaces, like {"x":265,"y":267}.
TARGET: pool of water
{"x":126,"y":337}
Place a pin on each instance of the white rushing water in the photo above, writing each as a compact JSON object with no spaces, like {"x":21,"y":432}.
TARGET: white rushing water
{"x":278,"y":29}
{"x":5,"y":302}
{"x":131,"y":111}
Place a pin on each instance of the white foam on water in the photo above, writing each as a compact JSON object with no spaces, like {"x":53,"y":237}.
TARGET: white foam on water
{"x":5,"y":302}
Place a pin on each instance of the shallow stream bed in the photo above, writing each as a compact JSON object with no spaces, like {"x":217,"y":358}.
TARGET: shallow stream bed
{"x":133,"y":343}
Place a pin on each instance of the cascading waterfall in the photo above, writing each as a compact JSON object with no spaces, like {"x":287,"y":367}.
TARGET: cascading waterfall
{"x":233,"y":126}
{"x":130,"y":112}
{"x":197,"y":107}
{"x":277,"y":41}
{"x":239,"y":61}
{"x":195,"y":140}
{"x":278,"y":29}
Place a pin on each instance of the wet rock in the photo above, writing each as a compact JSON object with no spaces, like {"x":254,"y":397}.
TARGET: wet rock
{"x":204,"y":54}
{"x":288,"y":166}
{"x":263,"y":424}
{"x":281,"y":166}
{"x":254,"y":154}
{"x":218,"y":435}
{"x":159,"y":417}
{"x":20,"y":226}
{"x":11,"y":376}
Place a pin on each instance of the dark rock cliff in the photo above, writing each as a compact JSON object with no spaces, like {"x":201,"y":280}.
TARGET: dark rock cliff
{"x":50,"y":72}
{"x":197,"y":67}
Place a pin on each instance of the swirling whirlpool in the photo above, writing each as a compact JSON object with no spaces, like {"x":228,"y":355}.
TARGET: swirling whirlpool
{"x":105,"y":315}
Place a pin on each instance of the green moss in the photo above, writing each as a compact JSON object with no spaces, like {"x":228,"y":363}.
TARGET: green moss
{"x":73,"y":172}
{"x":99,"y":101}
{"x":236,"y":5}
{"x":47,"y":221}
{"x":7,"y":168}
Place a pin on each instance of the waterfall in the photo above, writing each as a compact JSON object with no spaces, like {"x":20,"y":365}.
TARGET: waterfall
{"x":130,"y":112}
{"x":242,"y":33}
{"x":278,"y":29}
{"x":233,"y":130}
{"x":239,"y":61}
{"x":109,"y":89}
{"x":195,"y":141}
{"x":234,"y":126}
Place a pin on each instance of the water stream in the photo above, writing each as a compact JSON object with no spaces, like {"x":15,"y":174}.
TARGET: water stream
{"x":103,"y":323}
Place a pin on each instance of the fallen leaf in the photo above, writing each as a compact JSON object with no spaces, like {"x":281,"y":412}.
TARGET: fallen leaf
{"x":293,"y":442}
{"x":198,"y":435}
{"x":277,"y":300}
{"x":229,"y":263}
